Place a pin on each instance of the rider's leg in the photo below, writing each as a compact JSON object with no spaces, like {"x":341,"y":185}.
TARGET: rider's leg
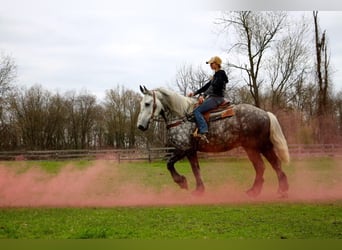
{"x":208,"y":104}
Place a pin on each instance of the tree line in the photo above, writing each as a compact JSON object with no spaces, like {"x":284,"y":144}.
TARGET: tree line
{"x":271,"y":63}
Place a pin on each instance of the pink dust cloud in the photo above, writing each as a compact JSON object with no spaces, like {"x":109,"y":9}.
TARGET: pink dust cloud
{"x":101,"y":185}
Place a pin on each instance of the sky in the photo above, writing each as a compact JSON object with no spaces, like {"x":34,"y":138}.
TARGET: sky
{"x":97,"y":45}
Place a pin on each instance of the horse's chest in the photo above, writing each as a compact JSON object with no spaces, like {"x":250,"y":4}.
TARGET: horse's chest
{"x":180,"y":136}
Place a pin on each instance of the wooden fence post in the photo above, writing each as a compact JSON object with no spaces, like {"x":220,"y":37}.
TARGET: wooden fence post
{"x":149,"y":155}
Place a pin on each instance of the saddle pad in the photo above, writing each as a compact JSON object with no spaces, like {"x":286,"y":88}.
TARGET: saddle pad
{"x":228,"y":111}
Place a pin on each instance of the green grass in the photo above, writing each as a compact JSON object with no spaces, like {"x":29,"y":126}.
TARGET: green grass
{"x":258,"y":221}
{"x":239,"y":171}
{"x":52,"y":167}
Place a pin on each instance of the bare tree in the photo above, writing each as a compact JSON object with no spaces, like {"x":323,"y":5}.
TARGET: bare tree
{"x":121,"y":109}
{"x":8,"y":71}
{"x":115,"y":117}
{"x":255,"y":33}
{"x":82,"y":112}
{"x":189,"y":78}
{"x":322,"y":67}
{"x":338,"y":104}
{"x":7,"y":76}
{"x":324,"y":109}
{"x":29,"y":108}
{"x":133,"y":108}
{"x":55,"y":121}
{"x":289,"y":64}
{"x":303,"y":99}
{"x":86,"y":104}
{"x":73,"y":121}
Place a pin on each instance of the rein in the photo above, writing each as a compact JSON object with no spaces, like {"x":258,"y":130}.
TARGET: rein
{"x":154,"y":107}
{"x":176,"y":123}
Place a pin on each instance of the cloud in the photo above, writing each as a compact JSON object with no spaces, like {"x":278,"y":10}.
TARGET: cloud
{"x":79,"y":49}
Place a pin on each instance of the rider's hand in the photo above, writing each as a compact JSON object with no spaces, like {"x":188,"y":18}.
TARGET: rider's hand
{"x":191,"y":94}
{"x":200,"y":99}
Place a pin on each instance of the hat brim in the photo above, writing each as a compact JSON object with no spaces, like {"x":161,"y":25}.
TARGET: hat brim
{"x":210,"y":62}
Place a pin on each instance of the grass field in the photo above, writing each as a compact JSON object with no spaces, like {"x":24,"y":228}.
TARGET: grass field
{"x":257,"y":221}
{"x":91,"y":200}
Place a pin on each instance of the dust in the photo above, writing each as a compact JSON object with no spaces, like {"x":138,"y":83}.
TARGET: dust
{"x":103,"y":185}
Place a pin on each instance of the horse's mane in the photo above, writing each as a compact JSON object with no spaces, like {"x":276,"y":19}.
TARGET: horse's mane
{"x":176,"y":103}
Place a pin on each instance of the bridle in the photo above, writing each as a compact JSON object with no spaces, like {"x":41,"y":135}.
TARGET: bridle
{"x":171,"y":124}
{"x":154,"y":106}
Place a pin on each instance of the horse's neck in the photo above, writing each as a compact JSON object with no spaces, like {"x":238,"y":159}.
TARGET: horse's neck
{"x":176,"y":105}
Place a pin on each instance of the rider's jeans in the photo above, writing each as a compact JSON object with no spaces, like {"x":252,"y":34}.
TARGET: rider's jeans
{"x":210,"y":103}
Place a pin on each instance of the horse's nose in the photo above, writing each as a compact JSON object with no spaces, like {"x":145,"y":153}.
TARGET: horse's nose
{"x":141,"y":127}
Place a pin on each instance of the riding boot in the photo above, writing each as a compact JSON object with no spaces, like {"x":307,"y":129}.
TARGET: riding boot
{"x":202,"y":137}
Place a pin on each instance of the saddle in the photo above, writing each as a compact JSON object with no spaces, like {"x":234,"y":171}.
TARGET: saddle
{"x":224,"y":110}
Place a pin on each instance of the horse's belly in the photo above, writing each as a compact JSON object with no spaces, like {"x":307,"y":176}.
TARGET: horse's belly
{"x":208,"y":147}
{"x":218,"y":144}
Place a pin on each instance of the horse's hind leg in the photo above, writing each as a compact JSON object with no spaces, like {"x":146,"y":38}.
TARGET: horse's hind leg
{"x":259,"y":167}
{"x":276,"y":165}
{"x":179,"y":179}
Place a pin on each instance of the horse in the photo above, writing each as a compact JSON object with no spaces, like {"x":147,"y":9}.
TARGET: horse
{"x":258,"y":132}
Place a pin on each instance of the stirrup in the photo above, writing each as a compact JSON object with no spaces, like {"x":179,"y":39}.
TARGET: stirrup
{"x":195,"y":133}
{"x":203,"y":137}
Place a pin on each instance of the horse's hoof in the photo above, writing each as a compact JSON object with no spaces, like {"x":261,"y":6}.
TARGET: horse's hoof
{"x":283,"y":195}
{"x":252,"y":193}
{"x":198,"y":192}
{"x":184,"y":185}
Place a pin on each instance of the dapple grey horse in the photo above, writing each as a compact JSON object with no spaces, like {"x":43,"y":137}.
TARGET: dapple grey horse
{"x":254,"y":129}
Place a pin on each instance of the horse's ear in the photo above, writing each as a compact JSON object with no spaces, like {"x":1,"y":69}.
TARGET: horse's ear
{"x":145,"y":91}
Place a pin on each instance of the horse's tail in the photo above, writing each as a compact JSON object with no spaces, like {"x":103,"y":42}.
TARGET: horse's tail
{"x":278,"y":139}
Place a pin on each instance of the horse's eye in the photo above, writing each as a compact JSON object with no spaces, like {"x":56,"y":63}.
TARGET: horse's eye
{"x":147,"y":104}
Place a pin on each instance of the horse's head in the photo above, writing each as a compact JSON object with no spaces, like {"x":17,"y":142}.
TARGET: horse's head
{"x":150,"y":107}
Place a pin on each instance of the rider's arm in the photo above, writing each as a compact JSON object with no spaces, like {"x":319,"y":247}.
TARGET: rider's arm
{"x":204,"y":88}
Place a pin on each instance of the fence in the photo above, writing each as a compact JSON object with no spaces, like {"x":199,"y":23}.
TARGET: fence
{"x":296,"y":151}
{"x":315,"y":150}
{"x":111,"y":154}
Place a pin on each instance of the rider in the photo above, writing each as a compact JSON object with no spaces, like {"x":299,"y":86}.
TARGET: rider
{"x":214,"y":94}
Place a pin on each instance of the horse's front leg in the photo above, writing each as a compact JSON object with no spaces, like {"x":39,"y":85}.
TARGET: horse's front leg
{"x":192,"y":157}
{"x":179,"y":179}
